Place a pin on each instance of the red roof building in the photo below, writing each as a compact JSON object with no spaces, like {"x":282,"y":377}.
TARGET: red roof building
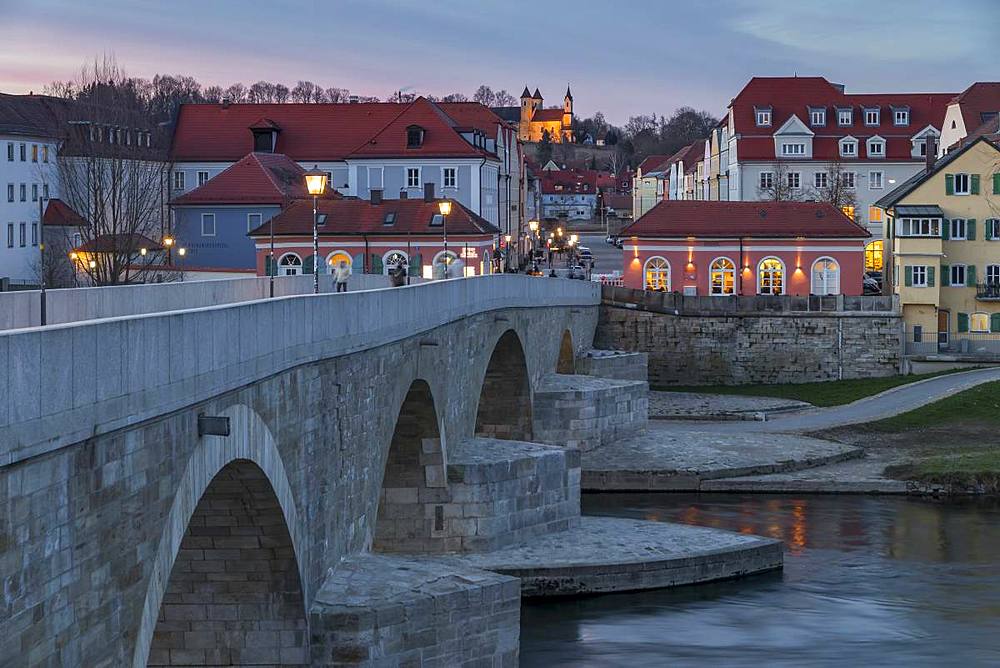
{"x":728,"y":248}
{"x":972,"y":113}
{"x":257,"y":178}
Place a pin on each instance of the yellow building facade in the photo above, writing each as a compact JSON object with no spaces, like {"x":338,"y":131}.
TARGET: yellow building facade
{"x":536,"y":120}
{"x":944,"y":239}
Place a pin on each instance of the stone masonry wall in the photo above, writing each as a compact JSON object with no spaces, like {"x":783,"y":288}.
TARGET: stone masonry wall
{"x":585,"y":412}
{"x":613,"y":364}
{"x":743,"y":349}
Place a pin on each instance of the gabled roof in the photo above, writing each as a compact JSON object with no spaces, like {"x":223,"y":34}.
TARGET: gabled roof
{"x":352,"y":216}
{"x":31,"y":115}
{"x":652,"y":162}
{"x":979,"y":98}
{"x":707,"y":219}
{"x":257,"y":178}
{"x":569,"y":182}
{"x":547,"y":115}
{"x":59,"y":214}
{"x":787,"y":96}
{"x":911,"y":184}
{"x":317,"y":132}
{"x":475,"y":115}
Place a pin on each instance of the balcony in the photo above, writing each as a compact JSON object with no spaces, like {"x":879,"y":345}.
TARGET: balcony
{"x":988,"y":292}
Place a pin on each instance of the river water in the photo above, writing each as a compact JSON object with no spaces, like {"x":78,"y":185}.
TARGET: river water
{"x":868,"y":581}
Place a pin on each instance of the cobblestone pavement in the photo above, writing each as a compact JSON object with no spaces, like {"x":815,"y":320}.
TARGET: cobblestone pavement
{"x":617,"y":554}
{"x":706,"y":453}
{"x":696,"y":405}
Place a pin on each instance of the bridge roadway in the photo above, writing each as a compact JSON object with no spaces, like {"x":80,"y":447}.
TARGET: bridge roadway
{"x":395,"y":420}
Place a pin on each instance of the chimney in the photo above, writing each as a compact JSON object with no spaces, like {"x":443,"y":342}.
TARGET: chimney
{"x":226,"y":102}
{"x":403,"y":194}
{"x":931,"y":143}
{"x":353,"y":99}
{"x":376,"y":196}
{"x":429,"y":192}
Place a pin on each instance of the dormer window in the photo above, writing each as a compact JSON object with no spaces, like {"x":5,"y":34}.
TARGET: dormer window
{"x":263,"y":141}
{"x":871,"y":116}
{"x":849,"y":147}
{"x":876,"y":147}
{"x":845,"y":117}
{"x":414,"y":136}
{"x":321,"y":219}
{"x":763,"y":116}
{"x":793,"y":149}
{"x":817,"y":116}
{"x":437,"y":220}
{"x":390,"y":218}
{"x":901,"y":116}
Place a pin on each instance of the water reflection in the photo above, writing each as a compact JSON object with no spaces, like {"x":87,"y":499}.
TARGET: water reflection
{"x":872,"y":581}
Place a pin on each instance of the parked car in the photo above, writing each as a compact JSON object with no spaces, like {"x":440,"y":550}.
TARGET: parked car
{"x":610,"y":239}
{"x":578,"y":272}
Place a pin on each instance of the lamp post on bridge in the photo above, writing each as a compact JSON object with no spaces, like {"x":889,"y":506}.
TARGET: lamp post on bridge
{"x":444,"y":206}
{"x":316,"y":183}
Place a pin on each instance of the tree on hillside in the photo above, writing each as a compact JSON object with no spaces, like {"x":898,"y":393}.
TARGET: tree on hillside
{"x":544,"y":151}
{"x":616,"y":163}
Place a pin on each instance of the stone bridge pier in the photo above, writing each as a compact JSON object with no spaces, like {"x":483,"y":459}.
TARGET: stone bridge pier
{"x":380,"y":452}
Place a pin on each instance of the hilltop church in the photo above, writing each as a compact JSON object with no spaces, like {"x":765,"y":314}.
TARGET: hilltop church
{"x":533,"y":118}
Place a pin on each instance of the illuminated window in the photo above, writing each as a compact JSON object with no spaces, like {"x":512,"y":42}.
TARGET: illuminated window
{"x":826,"y":277}
{"x":770,"y":276}
{"x":656,"y":274}
{"x":722,"y":277}
{"x":979,"y":322}
{"x":874,"y":214}
{"x":337,"y":257}
{"x":848,"y":211}
{"x":873,"y":255}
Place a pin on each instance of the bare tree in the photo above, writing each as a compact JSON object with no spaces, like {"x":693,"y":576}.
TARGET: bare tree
{"x":261,"y":92}
{"x":213,"y":94}
{"x":236,"y":93}
{"x":110,"y":176}
{"x":484,"y":95}
{"x":504,"y":99}
{"x":455,"y":97}
{"x":281,"y":93}
{"x":780,"y":185}
{"x":303,"y":92}
{"x":616,"y":163}
{"x":835,"y":186}
{"x":338,"y":95}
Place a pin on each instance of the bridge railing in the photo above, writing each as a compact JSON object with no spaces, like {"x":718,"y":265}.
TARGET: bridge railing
{"x":62,"y":384}
{"x":23,"y":308}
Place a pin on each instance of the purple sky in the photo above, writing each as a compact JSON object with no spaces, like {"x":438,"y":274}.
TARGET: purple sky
{"x":623,"y":58}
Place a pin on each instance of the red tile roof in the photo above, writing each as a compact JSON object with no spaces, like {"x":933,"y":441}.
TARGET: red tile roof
{"x":795,"y":95}
{"x":473,"y":114}
{"x":980,"y":97}
{"x":354,"y":217}
{"x":60,"y":214}
{"x":318,"y":132}
{"x":652,"y":162}
{"x":547,"y":115}
{"x":257,"y":178}
{"x":686,"y":218}
{"x":619,"y":202}
{"x":570,"y":181}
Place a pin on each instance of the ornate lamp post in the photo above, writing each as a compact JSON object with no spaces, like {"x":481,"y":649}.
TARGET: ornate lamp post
{"x":444,"y":206}
{"x":316,"y":183}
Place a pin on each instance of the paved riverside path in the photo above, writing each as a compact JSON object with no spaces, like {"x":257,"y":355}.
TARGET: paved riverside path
{"x":868,"y":409}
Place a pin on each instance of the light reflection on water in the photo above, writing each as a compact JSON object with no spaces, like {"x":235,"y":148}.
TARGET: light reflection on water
{"x":868,"y":581}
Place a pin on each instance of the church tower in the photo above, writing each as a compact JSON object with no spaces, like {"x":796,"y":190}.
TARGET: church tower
{"x":527,"y":111}
{"x":567,"y":119}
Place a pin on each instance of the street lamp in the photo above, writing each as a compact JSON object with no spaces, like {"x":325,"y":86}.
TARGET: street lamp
{"x":316,"y":183}
{"x":506,"y":256}
{"x":168,"y":241}
{"x":444,"y":206}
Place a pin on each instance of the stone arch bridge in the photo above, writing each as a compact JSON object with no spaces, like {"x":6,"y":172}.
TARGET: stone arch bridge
{"x":370,"y":435}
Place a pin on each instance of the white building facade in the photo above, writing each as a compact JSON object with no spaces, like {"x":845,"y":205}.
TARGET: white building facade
{"x":29,"y":177}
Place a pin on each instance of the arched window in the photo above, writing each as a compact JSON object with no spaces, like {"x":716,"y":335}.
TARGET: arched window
{"x":334,"y":258}
{"x":439,"y":257}
{"x":771,"y":277}
{"x":722,"y":277}
{"x":393,"y":259}
{"x":825,"y":277}
{"x":873,"y":255}
{"x":290,"y":264}
{"x":979,"y":322}
{"x":656,"y":274}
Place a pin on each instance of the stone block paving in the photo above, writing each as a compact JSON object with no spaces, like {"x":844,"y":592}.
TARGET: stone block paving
{"x":701,"y":406}
{"x":681,"y":459}
{"x":606,"y":554}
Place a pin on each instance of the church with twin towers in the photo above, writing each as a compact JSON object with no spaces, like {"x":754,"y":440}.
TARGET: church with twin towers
{"x":535,"y":119}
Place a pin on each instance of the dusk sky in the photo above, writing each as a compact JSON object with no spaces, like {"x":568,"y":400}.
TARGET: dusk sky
{"x":623,"y":57}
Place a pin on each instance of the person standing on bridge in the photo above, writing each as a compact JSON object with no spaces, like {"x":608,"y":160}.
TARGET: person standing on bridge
{"x":341,"y":273}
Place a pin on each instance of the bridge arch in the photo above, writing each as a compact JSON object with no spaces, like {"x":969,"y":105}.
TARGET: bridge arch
{"x":233,"y":488}
{"x":566,"y":363}
{"x":504,"y":409}
{"x":414,"y":483}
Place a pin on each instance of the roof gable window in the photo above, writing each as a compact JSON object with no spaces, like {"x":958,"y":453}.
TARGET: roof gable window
{"x":817,"y":116}
{"x":263,"y":141}
{"x":900,"y":115}
{"x":845,"y":117}
{"x":876,"y":147}
{"x":762,"y":116}
{"x":872,"y":116}
{"x":849,"y":147}
{"x":414,"y":136}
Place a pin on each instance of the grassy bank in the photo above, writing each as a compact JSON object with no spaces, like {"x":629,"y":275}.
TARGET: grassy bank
{"x":829,"y":393}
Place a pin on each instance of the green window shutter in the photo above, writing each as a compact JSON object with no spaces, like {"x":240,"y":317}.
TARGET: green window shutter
{"x":946,"y":273}
{"x":930,"y":277}
{"x":949,"y":184}
{"x":995,"y":322}
{"x":987,"y":230}
{"x":970,"y":275}
{"x":416,"y":265}
{"x":975,"y":184}
{"x":963,"y":322}
{"x":970,"y":229}
{"x":269,"y":266}
{"x":908,"y":280}
{"x":358,"y":264}
{"x":376,"y":264}
{"x":945,"y":229}
{"x":996,"y":183}
{"x":307,"y":264}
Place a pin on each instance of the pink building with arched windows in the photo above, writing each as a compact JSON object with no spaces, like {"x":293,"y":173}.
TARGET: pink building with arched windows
{"x":745,"y":248}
